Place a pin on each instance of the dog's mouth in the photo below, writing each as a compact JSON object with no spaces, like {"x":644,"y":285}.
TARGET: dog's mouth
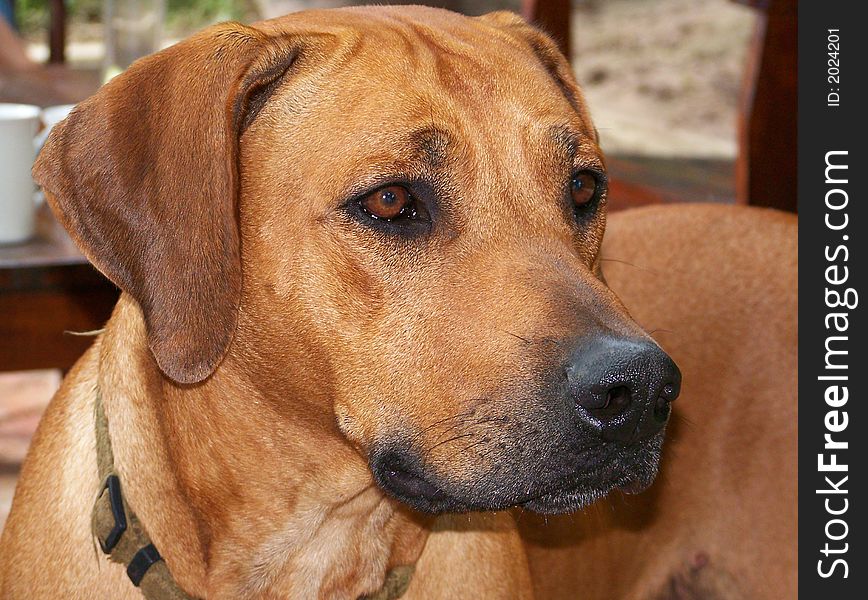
{"x":630,"y":470}
{"x":403,"y":478}
{"x":406,"y":483}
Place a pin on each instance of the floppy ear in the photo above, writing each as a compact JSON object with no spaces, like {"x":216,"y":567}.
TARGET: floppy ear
{"x":144,"y":176}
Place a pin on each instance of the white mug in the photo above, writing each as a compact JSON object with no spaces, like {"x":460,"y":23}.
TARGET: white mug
{"x":18,"y":126}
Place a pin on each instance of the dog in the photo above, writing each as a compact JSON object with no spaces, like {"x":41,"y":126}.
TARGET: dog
{"x":363,"y":317}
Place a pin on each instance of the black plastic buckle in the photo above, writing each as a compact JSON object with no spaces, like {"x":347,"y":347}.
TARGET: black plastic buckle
{"x":116,"y":501}
{"x":142,"y":561}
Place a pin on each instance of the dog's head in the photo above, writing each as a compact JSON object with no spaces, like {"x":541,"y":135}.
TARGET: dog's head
{"x":391,"y":217}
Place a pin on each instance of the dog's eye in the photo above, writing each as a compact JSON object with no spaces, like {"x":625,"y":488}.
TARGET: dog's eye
{"x":583,"y":188}
{"x":390,"y":203}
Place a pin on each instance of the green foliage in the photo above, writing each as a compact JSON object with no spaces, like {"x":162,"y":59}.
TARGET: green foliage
{"x":182,"y":16}
{"x":189,"y":15}
{"x":31,"y":14}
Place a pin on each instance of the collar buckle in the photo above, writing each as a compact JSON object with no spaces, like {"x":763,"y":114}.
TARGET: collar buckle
{"x":116,"y":502}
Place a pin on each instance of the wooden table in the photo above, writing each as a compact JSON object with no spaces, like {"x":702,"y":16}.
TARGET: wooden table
{"x":47,"y":289}
{"x":46,"y":286}
{"x":641,"y":180}
{"x":48,"y":86}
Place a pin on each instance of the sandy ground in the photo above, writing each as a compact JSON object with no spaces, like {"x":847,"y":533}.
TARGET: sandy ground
{"x":663,"y":77}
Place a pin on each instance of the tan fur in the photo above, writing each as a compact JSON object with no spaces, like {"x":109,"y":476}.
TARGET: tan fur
{"x":243,"y":406}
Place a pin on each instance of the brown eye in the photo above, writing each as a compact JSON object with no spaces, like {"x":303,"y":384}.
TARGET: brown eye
{"x":389,"y":203}
{"x":583,"y":188}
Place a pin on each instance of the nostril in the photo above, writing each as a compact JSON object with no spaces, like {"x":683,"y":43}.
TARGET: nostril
{"x":662,"y":409}
{"x":617,"y":399}
{"x":609,"y":404}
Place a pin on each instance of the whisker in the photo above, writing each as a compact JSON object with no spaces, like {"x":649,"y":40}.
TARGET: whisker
{"x":460,"y":415}
{"x":452,"y":439}
{"x":661,"y":330}
{"x":492,"y":419}
{"x":466,"y":448}
{"x":91,"y":333}
{"x":452,"y":427}
{"x":440,"y":422}
{"x":618,"y":260}
{"x":690,"y":424}
{"x":515,"y":335}
{"x":635,"y":266}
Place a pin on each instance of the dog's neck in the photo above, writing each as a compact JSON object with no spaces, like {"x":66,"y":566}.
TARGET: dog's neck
{"x":241,"y":501}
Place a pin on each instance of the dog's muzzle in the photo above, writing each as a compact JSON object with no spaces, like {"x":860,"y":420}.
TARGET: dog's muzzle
{"x":596,"y":425}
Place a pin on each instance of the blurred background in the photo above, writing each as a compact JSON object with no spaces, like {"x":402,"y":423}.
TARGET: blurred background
{"x":694,"y":101}
{"x":662,"y":76}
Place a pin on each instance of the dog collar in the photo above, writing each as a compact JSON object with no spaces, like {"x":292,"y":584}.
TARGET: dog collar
{"x":117,"y":529}
{"x":124,"y":539}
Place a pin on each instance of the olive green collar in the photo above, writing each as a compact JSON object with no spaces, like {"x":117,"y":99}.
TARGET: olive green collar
{"x":125,"y":540}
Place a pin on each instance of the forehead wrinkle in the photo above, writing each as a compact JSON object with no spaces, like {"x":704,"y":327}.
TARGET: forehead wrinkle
{"x":442,"y":41}
{"x":454,"y":62}
{"x":428,"y":149}
{"x":389,"y":44}
{"x":419,"y":38}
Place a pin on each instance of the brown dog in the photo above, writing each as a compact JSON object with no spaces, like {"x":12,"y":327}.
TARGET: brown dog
{"x":360,"y":256}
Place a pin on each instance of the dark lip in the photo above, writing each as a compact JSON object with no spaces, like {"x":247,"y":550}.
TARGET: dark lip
{"x":554,"y":499}
{"x":624,"y":473}
{"x":395,"y":476}
{"x":635,"y":486}
{"x":565,"y":502}
{"x":443,"y":503}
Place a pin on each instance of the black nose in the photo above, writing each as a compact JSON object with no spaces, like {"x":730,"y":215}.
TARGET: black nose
{"x":623,"y":385}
